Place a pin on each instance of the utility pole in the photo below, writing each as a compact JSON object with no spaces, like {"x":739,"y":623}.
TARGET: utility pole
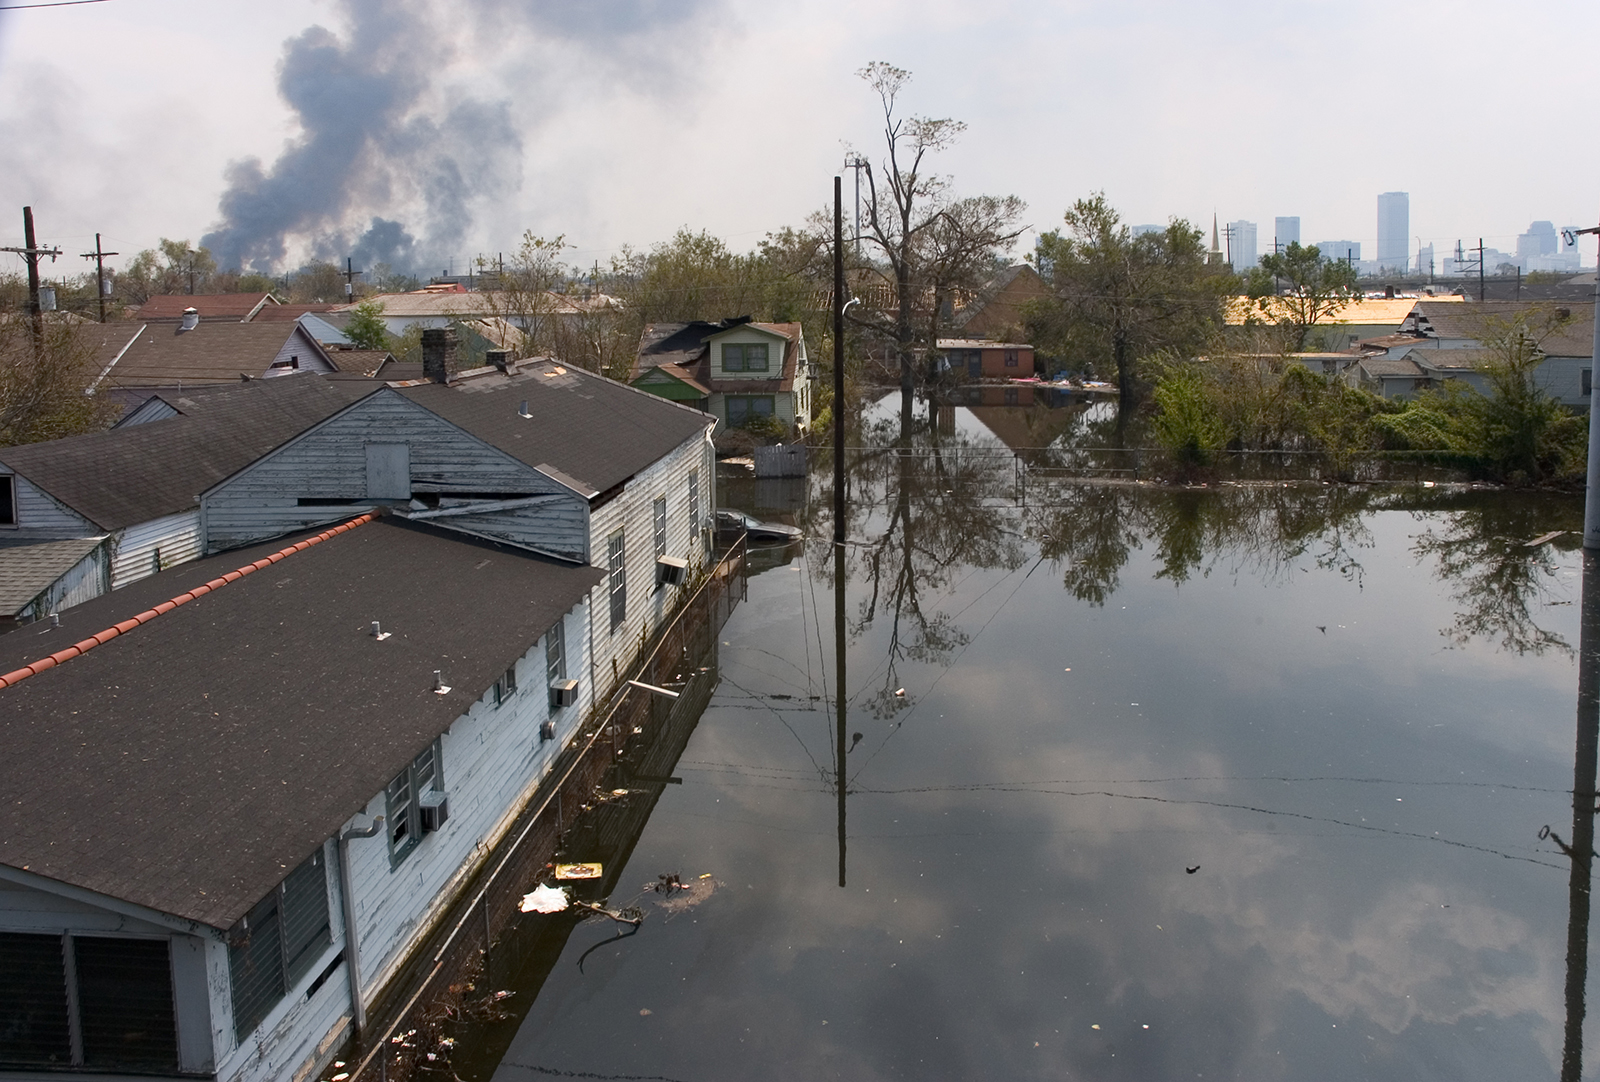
{"x":1482,"y":290}
{"x":100,"y":284}
{"x":350,"y":273}
{"x":1227,"y":235}
{"x":840,"y":750}
{"x":31,"y":252}
{"x":858,"y":163}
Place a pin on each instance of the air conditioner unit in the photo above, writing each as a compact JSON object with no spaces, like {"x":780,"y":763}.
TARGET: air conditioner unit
{"x":671,"y":571}
{"x":563,"y":693}
{"x":435,"y":809}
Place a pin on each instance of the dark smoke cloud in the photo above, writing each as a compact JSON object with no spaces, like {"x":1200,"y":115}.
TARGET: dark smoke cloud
{"x":373,"y":143}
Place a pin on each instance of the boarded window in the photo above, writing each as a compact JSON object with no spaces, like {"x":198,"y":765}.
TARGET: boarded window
{"x":278,"y":942}
{"x":388,"y":471}
{"x":616,"y":567}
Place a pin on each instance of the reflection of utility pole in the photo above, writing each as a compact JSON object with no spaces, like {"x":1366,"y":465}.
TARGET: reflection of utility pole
{"x":31,"y":252}
{"x":101,"y":286}
{"x":840,"y":750}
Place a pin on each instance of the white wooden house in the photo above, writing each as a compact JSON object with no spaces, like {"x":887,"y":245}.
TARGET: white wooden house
{"x":225,"y":904}
{"x":548,"y":458}
{"x":134,"y":491}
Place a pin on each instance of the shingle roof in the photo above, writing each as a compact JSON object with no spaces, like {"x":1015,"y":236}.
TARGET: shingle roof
{"x":140,"y":472}
{"x":288,"y":313}
{"x":165,"y":356}
{"x":27,"y":567}
{"x":1390,"y":366}
{"x":1575,"y":339}
{"x":190,"y":763}
{"x":224,"y":306}
{"x":588,"y":427}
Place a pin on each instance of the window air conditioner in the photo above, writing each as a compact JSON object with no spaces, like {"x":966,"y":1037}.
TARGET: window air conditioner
{"x":435,"y":809}
{"x":563,"y":693}
{"x":671,"y":571}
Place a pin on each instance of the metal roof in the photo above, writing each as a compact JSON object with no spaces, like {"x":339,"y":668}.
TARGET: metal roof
{"x":190,"y":763}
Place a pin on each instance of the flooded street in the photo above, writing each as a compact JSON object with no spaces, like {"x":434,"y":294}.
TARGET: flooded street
{"x":1239,"y":783}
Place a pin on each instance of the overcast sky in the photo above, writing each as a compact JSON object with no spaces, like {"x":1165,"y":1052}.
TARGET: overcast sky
{"x":442,"y":130}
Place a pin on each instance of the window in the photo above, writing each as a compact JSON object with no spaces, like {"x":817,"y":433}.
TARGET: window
{"x":617,"y":568}
{"x":694,"y":501}
{"x":8,"y":500}
{"x":1587,"y":382}
{"x":659,"y":514}
{"x":506,"y":686}
{"x":1011,"y":396}
{"x":742,"y":409}
{"x":1011,"y":358}
{"x":86,"y":1001}
{"x":555,"y":653}
{"x":744,"y":357}
{"x":403,"y":799}
{"x":277,"y":943}
{"x":292,"y":362}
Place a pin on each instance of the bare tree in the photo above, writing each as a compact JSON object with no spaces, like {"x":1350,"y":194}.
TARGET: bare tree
{"x":928,"y":239}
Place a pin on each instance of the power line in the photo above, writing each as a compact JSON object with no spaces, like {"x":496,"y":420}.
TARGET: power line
{"x":51,"y":4}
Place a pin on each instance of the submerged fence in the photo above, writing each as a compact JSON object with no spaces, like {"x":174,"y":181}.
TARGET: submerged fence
{"x":628,"y":742}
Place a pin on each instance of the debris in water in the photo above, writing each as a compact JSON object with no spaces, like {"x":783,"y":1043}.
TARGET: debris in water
{"x":1190,"y":870}
{"x":341,"y":1076}
{"x":645,"y":1012}
{"x":666,"y":884}
{"x":619,"y":792}
{"x":1095,"y":1026}
{"x":498,"y":996}
{"x":579,"y":871}
{"x":706,"y":875}
{"x":900,"y":693}
{"x":544,"y":899}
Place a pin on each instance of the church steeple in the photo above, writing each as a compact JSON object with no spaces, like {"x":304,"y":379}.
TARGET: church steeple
{"x":1215,"y":255}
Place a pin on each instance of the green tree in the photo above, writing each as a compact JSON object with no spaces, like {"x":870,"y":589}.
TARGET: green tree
{"x":1298,"y":289}
{"x":1119,"y":298}
{"x":366,"y":328}
{"x":42,"y":388}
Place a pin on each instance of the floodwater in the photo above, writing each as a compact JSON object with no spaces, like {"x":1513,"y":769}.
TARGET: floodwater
{"x":1237,"y":783}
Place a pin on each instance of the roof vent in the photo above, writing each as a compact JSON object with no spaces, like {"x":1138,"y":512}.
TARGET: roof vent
{"x":378,"y":632}
{"x":191,"y":319}
{"x":439,"y":686}
{"x":522,"y":410}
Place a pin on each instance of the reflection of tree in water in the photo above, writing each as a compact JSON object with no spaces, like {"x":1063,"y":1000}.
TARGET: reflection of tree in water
{"x":923,"y":510}
{"x":1480,"y":549}
{"x":1267,"y":530}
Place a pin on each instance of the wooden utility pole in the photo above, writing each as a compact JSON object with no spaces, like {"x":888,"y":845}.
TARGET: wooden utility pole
{"x":31,"y":252}
{"x":840,"y":749}
{"x":99,"y":258}
{"x":350,"y":273}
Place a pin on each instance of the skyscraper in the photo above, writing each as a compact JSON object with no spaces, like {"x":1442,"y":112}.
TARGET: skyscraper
{"x":1394,"y":230}
{"x":1286,"y":231}
{"x":1242,"y":245}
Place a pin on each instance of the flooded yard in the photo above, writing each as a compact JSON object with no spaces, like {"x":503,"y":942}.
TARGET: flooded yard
{"x":1246,"y":782}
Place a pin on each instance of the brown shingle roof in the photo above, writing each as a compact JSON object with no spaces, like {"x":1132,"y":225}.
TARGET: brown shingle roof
{"x":164,"y":355}
{"x":235,"y":306}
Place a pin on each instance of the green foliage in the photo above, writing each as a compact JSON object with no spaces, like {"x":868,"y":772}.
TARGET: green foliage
{"x":1297,"y":288}
{"x":43,"y":382}
{"x":765,"y":427}
{"x":366,"y":329}
{"x":1119,"y":299}
{"x":1187,"y":422}
{"x":177,"y":267}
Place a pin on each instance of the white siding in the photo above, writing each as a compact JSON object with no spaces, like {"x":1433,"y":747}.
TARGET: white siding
{"x":300,"y":353}
{"x":492,"y":760}
{"x":85,"y":582}
{"x":330,"y":463}
{"x":632,"y":511}
{"x":39,"y":512}
{"x":140,"y":551}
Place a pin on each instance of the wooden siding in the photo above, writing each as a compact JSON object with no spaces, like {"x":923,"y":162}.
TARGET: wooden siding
{"x":154,"y":408}
{"x":632,"y":511}
{"x":140,"y":551}
{"x":330,"y":463}
{"x":86,"y":581}
{"x":491,"y":762}
{"x":299,"y":344}
{"x":39,"y":512}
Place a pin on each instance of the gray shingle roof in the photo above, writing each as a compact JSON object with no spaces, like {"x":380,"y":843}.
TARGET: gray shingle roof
{"x":190,"y":763}
{"x":140,"y":472}
{"x":1575,"y":339}
{"x":588,"y":427}
{"x":27,"y":568}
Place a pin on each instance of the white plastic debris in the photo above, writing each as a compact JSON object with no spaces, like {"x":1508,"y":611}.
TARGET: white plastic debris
{"x":544,"y":899}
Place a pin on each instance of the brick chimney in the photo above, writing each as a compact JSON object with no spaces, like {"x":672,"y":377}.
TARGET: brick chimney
{"x":499,"y":358}
{"x":438,"y":353}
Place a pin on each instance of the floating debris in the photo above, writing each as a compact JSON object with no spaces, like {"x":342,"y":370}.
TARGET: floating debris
{"x":544,"y":899}
{"x":579,"y":871}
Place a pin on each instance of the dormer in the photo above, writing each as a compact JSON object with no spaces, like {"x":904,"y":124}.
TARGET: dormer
{"x":750,"y":351}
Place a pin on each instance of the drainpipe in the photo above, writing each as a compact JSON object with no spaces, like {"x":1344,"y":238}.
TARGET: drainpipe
{"x":352,"y":941}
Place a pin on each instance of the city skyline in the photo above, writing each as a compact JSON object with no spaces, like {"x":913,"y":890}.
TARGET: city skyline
{"x":461,"y":127}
